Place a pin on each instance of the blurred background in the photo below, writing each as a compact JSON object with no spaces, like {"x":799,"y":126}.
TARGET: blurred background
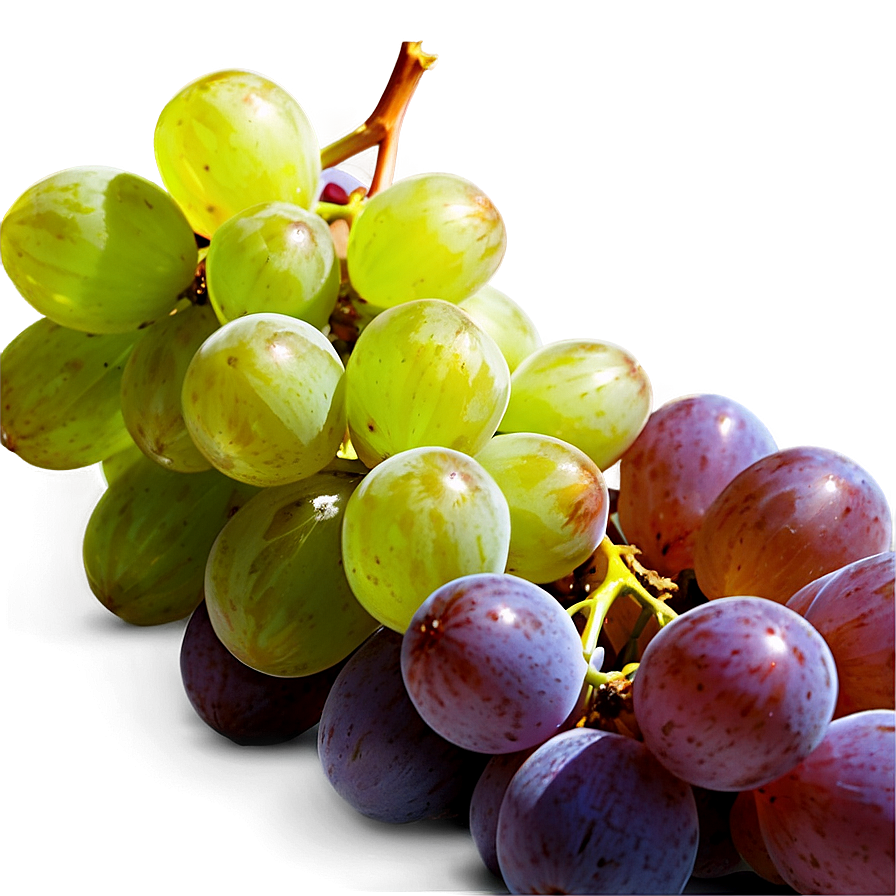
{"x":709,"y":185}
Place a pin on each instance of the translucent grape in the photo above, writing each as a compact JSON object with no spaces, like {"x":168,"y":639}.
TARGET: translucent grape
{"x":688,"y":451}
{"x":594,"y":812}
{"x":115,"y":464}
{"x":273,"y":257}
{"x":377,"y":752}
{"x":743,"y":822}
{"x":493,"y":663}
{"x":97,"y":249}
{"x":734,"y":693}
{"x":240,"y":703}
{"x":60,"y":395}
{"x":275,"y":587}
{"x":264,"y":401}
{"x":424,"y":374}
{"x":558,"y":499}
{"x":505,"y":321}
{"x":591,"y":394}
{"x":152,"y":383}
{"x":829,"y":823}
{"x":148,"y":537}
{"x":418,"y":520}
{"x":233,"y":139}
{"x":430,"y":236}
{"x":854,"y":611}
{"x":787,"y":519}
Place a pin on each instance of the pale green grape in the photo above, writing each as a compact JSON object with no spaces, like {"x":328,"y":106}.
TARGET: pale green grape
{"x":115,"y":464}
{"x":97,"y":249}
{"x":423,"y":373}
{"x":273,"y":257}
{"x":233,"y":139}
{"x":505,"y":321}
{"x":275,"y":587}
{"x":151,"y":388}
{"x":418,"y":520}
{"x":60,"y":390}
{"x":431,"y":236}
{"x":264,"y":399}
{"x":558,"y":499}
{"x":591,"y":394}
{"x":148,"y":538}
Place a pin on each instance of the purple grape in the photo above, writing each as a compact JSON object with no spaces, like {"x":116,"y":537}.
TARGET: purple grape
{"x":734,"y":693}
{"x":829,"y":823}
{"x":688,"y":451}
{"x":247,"y":706}
{"x":594,"y":812}
{"x":377,"y":752}
{"x":493,"y":663}
{"x":786,"y":520}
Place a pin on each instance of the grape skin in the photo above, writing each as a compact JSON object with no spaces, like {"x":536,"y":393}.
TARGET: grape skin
{"x":594,"y":812}
{"x":591,"y":394}
{"x":493,"y":663}
{"x":688,"y":451}
{"x":829,"y":823}
{"x":853,"y":608}
{"x":244,"y":705}
{"x":786,"y":520}
{"x":377,"y":752}
{"x":734,"y":693}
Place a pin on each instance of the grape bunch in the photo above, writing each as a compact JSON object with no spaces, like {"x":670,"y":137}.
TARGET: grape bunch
{"x":332,"y":444}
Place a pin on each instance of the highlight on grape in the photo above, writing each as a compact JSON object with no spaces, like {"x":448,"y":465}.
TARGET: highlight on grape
{"x":332,"y":444}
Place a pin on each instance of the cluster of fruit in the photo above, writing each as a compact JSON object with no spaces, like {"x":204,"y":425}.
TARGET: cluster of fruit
{"x":380,"y":499}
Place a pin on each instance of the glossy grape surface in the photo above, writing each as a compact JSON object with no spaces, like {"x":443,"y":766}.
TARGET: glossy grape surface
{"x":429,"y":236}
{"x":152,"y":383}
{"x":98,"y":249}
{"x":148,"y":537}
{"x":493,"y":663}
{"x":275,"y":587}
{"x":377,"y":752}
{"x":273,"y":257}
{"x":60,"y":395}
{"x":233,"y":139}
{"x":418,"y":520}
{"x":240,"y":703}
{"x":688,"y":451}
{"x":558,"y":499}
{"x":734,"y":693}
{"x":263,"y":399}
{"x":829,"y":823}
{"x":787,"y":519}
{"x":591,"y":394}
{"x":562,"y":824}
{"x":854,"y":610}
{"x":424,"y":373}
{"x":505,"y":321}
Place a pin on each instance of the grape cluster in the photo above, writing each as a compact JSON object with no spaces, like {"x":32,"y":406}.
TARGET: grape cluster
{"x":349,"y":459}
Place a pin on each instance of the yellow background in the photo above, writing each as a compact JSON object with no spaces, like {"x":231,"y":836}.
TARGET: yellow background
{"x":710,"y":184}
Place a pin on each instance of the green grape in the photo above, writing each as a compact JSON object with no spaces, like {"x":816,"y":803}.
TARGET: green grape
{"x":148,"y":538}
{"x":99,"y":250}
{"x":423,"y":373}
{"x":558,"y":499}
{"x":264,"y":399}
{"x":151,"y":388}
{"x":417,"y":521}
{"x":505,"y":322}
{"x":273,"y":257}
{"x":233,"y":139}
{"x":591,"y":394}
{"x":60,"y":395}
{"x":115,"y":464}
{"x":275,"y":588}
{"x":431,"y":236}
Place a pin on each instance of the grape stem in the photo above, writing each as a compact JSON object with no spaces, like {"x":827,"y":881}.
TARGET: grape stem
{"x":383,"y":125}
{"x":618,"y":580}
